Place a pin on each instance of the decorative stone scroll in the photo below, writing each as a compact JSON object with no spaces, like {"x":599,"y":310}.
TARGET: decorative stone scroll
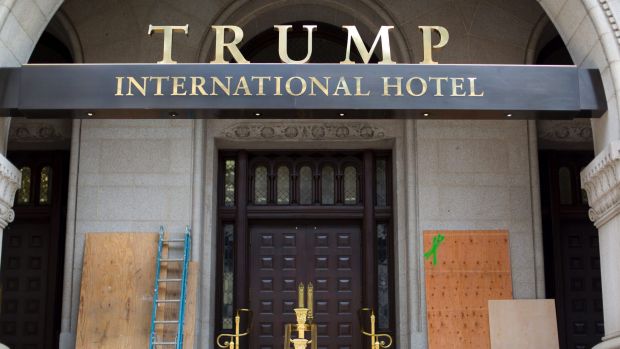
{"x":305,"y":131}
{"x":601,"y":181}
{"x":10,"y":181}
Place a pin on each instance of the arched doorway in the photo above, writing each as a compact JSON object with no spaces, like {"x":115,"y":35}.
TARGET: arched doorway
{"x":34,"y":244}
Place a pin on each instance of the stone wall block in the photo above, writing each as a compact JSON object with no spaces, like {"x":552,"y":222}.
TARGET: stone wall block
{"x":7,"y":59}
{"x":30,"y":17}
{"x":552,"y":7}
{"x":581,"y":43}
{"x":16,"y":39}
{"x":49,"y":7}
{"x":567,"y":20}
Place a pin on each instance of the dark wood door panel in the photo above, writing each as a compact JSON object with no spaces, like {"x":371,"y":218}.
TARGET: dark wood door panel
{"x":25,"y":285}
{"x":572,"y":266}
{"x":328,"y":254}
{"x":581,"y":289}
{"x":32,"y":255}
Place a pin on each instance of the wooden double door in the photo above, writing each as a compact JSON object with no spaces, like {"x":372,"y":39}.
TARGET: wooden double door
{"x":326,"y":253}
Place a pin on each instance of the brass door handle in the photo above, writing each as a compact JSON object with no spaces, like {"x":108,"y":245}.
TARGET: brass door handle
{"x":376,"y":341}
{"x":234,"y":339}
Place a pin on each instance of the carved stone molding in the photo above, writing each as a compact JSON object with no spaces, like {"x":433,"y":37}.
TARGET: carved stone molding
{"x":572,"y":131}
{"x":304,"y":131}
{"x":611,"y":18}
{"x":10,"y":181}
{"x":49,"y":131}
{"x":601,"y":181}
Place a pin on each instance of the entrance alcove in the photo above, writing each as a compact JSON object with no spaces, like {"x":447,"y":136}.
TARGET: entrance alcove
{"x":428,"y":155}
{"x":33,"y":252}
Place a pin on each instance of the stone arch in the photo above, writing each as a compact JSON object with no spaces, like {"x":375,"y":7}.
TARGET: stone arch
{"x":257,"y":17}
{"x":21,"y":25}
{"x":22,"y":22}
{"x":589,"y":30}
{"x":62,"y":28}
{"x":594,"y":42}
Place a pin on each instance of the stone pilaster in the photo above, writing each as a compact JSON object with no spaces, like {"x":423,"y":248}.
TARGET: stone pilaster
{"x":601,"y":180}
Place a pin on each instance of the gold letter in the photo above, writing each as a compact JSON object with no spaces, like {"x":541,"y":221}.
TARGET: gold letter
{"x":438,"y":91}
{"x":220,"y":31}
{"x":410,"y":90}
{"x":198,"y":86}
{"x":159,"y":80}
{"x":358,"y":87}
{"x":288,"y":86}
{"x":458,"y":86}
{"x":315,"y":82}
{"x":472,"y":88}
{"x":217,"y":81}
{"x":427,"y":39}
{"x":384,"y":36}
{"x":168,"y":30}
{"x":261,"y":84}
{"x":242,"y":85}
{"x":119,"y":86}
{"x":178,"y":82}
{"x":133,"y":82}
{"x":342,"y":85}
{"x":278,"y":86}
{"x":387,"y":85}
{"x":283,"y":46}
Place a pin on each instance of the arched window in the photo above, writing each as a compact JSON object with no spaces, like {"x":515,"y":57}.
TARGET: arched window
{"x":327,"y":185}
{"x":260,"y":185}
{"x":229,"y":183}
{"x":305,"y":185}
{"x":45,"y":187}
{"x":283,"y":186}
{"x":23,"y":195}
{"x":350,"y":185}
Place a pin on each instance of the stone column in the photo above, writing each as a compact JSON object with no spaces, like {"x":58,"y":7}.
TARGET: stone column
{"x":601,"y":180}
{"x":10,"y":181}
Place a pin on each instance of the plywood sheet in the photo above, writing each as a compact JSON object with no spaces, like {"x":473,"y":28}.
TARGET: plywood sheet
{"x":518,"y":324}
{"x":117,"y":290}
{"x":190,"y":306}
{"x":472,"y":268}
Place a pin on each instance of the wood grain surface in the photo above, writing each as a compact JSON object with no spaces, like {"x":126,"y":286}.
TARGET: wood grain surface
{"x":472,"y":268}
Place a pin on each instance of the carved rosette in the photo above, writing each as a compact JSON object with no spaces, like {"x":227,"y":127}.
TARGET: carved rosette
{"x":10,"y":181}
{"x":601,"y":181}
{"x":305,"y":131}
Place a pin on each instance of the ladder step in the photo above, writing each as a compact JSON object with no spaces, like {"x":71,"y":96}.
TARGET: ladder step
{"x":169,"y":301}
{"x":170,"y":280}
{"x":173,"y":240}
{"x":164,"y":343}
{"x":171,"y":260}
{"x":166,"y":321}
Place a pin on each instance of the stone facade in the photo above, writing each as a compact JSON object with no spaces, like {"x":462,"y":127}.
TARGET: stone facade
{"x":455,"y":175}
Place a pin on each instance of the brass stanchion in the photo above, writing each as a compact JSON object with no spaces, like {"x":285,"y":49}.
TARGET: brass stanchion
{"x":304,"y":317}
{"x":234,"y":339}
{"x":375,"y":342}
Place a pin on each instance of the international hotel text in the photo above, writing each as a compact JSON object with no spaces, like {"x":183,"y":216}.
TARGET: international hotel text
{"x":392,"y":86}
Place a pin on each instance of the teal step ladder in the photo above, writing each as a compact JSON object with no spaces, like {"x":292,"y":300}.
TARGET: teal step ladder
{"x":160,"y":304}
